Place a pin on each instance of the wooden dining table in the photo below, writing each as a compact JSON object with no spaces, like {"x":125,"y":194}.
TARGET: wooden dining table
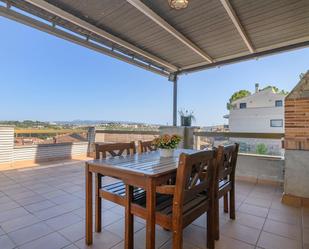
{"x":146,"y":171}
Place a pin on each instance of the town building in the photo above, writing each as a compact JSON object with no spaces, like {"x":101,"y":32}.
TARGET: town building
{"x":261,"y":112}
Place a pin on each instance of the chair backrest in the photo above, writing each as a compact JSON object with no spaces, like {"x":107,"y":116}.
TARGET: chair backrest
{"x":114,"y":149}
{"x":146,"y":146}
{"x":196,"y":174}
{"x":227,"y":159}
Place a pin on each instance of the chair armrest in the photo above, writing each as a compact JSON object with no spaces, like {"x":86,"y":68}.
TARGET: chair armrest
{"x":166,"y":189}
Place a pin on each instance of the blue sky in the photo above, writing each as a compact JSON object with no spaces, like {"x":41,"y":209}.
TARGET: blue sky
{"x":46,"y":78}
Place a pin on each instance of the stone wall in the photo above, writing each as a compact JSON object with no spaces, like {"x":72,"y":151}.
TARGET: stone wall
{"x":297,"y":173}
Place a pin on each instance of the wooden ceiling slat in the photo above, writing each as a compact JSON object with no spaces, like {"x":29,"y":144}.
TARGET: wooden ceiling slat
{"x":271,"y":25}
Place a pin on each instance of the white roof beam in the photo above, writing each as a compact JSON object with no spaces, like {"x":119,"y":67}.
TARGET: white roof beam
{"x":165,"y":25}
{"x":233,"y":16}
{"x":100,"y":32}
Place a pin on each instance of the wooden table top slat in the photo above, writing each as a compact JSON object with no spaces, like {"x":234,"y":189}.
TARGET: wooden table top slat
{"x":149,"y":163}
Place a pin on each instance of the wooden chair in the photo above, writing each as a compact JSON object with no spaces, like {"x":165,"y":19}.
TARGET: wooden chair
{"x":145,"y":146}
{"x":179,"y":205}
{"x":226,"y":159}
{"x":114,"y":192}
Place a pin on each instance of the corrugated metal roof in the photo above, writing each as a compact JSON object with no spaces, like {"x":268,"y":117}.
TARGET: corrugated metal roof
{"x":205,"y":28}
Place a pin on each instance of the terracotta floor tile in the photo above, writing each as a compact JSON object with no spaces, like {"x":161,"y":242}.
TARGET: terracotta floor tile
{"x":4,"y":199}
{"x":38,"y":206}
{"x":30,"y":200}
{"x":109,"y":217}
{"x":56,"y":195}
{"x":51,"y":241}
{"x":283,"y":229}
{"x":105,"y":240}
{"x":272,"y":241}
{"x":6,"y":242}
{"x":230,"y":243}
{"x":201,"y":221}
{"x":284,"y":216}
{"x":21,"y":195}
{"x":240,"y":232}
{"x":118,"y":210}
{"x":74,"y":232}
{"x":186,"y":245}
{"x":63,"y":221}
{"x":8,"y":206}
{"x":258,"y":202}
{"x":306,"y":235}
{"x":12,"y":213}
{"x":306,"y":220}
{"x":262,"y":196}
{"x":161,"y":238}
{"x":49,"y":213}
{"x":20,"y":222}
{"x":118,"y":227}
{"x":253,"y":210}
{"x":249,"y":220}
{"x":72,"y":246}
{"x":305,"y":210}
{"x":29,"y":233}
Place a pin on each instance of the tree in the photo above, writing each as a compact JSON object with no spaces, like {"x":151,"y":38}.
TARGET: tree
{"x":276,"y":89}
{"x":237,"y":95}
{"x":261,"y":149}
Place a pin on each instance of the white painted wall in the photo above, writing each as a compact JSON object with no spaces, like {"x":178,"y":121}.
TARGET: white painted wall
{"x":256,"y":120}
{"x":265,"y":98}
{"x":256,"y":117}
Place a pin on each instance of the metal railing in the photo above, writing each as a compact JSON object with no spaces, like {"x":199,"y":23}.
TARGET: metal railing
{"x":124,"y":135}
{"x":271,"y":144}
{"x":47,"y":131}
{"x":240,"y":134}
{"x":131,"y":132}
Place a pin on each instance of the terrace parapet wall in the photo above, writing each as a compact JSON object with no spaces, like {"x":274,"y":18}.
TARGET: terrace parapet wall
{"x":296,"y":183}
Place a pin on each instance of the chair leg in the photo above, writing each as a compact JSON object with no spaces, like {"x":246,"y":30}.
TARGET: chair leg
{"x":98,"y":203}
{"x":216,"y":220}
{"x":177,"y":239}
{"x":232,"y":203}
{"x":226,"y":203}
{"x":129,"y":219}
{"x":210,"y":230}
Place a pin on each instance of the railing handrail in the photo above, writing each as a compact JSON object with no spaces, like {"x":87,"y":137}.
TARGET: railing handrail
{"x":47,"y":131}
{"x":138,"y":132}
{"x":239,"y":134}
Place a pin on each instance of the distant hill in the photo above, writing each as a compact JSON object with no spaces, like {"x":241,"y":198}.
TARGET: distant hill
{"x":97,"y":122}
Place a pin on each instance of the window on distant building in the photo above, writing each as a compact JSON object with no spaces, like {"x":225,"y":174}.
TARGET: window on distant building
{"x":278,"y":103}
{"x":276,"y":123}
{"x":243,"y":105}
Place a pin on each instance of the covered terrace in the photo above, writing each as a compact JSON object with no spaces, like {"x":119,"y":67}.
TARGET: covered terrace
{"x":44,"y":207}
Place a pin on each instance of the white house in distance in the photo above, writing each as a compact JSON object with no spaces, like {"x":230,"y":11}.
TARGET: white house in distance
{"x":261,"y":112}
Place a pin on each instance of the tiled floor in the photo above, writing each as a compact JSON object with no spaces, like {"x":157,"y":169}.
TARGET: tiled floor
{"x":44,"y":209}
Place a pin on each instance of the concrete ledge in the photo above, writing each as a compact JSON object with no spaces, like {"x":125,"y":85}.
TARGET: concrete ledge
{"x":20,"y":147}
{"x":35,"y":163}
{"x":260,"y":169}
{"x":255,"y":180}
{"x":295,"y":201}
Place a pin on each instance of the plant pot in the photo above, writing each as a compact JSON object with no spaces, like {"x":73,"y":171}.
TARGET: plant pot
{"x":166,"y":152}
{"x":186,"y":121}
